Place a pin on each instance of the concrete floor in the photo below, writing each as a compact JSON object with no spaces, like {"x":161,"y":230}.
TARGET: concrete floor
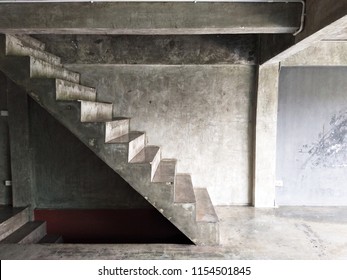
{"x":246,"y":233}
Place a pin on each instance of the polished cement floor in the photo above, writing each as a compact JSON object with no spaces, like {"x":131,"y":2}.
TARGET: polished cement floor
{"x":302,"y":233}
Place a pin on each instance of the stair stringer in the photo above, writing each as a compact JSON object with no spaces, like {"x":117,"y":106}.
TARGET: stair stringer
{"x":160,"y":195}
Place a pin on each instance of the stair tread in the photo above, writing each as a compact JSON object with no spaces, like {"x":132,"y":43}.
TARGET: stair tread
{"x":117,"y":119}
{"x":166,"y":171}
{"x":146,"y":155}
{"x":184,"y":192}
{"x":22,"y":232}
{"x":204,"y":208}
{"x":7,"y":212}
{"x":51,"y":238}
{"x":126,"y":138}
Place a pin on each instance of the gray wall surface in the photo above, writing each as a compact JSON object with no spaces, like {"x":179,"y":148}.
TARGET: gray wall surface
{"x":68,"y":175}
{"x":5,"y":164}
{"x":312,"y":136}
{"x":201,"y":115}
{"x":131,"y":49}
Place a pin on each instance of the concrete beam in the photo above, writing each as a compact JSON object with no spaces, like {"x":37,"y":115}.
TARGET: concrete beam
{"x":150,"y":18}
{"x":321,"y":13}
{"x":323,"y":53}
{"x":266,"y":134}
{"x":334,"y":28}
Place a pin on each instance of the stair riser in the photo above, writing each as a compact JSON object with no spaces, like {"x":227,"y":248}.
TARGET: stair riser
{"x":96,"y":112}
{"x":35,"y":236}
{"x":184,"y":192}
{"x":71,"y":91}
{"x":116,"y":129}
{"x":14,"y":223}
{"x":155,"y":164}
{"x":136,"y":146}
{"x":208,"y":234}
{"x":42,"y":69}
{"x":18,"y":48}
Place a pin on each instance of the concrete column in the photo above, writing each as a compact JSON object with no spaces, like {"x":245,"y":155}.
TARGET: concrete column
{"x":21,"y":164}
{"x":265,"y":139}
{"x":5,"y":169}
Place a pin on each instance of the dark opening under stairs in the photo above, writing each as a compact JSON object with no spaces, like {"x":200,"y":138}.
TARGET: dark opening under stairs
{"x":58,"y":90}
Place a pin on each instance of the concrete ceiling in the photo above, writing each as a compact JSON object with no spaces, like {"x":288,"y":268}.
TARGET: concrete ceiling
{"x":151,"y":18}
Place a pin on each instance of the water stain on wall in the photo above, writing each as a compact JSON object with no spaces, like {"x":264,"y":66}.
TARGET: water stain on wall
{"x":330,"y":150}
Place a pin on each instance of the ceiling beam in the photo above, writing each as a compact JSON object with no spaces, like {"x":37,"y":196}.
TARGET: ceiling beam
{"x":321,"y":13}
{"x":150,"y":18}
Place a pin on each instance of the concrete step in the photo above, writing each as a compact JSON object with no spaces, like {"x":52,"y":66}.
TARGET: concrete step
{"x":31,"y":232}
{"x":150,"y":155}
{"x":135,"y":141}
{"x":116,"y":128}
{"x":166,"y":172}
{"x":96,"y":111}
{"x":30,"y":42}
{"x":43,"y":69}
{"x":66,"y":90}
{"x":15,"y":46}
{"x":184,"y":192}
{"x":206,"y":219}
{"x":51,"y":239}
{"x":12,"y":219}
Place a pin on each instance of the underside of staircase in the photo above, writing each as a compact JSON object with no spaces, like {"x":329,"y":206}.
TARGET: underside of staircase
{"x":24,"y":60}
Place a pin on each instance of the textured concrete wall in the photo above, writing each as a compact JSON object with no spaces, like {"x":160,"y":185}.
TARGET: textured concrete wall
{"x":201,"y":115}
{"x":5,"y":165}
{"x":312,"y":136}
{"x":177,"y":50}
{"x":68,"y":175}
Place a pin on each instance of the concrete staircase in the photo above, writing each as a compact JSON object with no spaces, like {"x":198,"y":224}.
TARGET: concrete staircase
{"x":15,"y":227}
{"x":57,"y":89}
